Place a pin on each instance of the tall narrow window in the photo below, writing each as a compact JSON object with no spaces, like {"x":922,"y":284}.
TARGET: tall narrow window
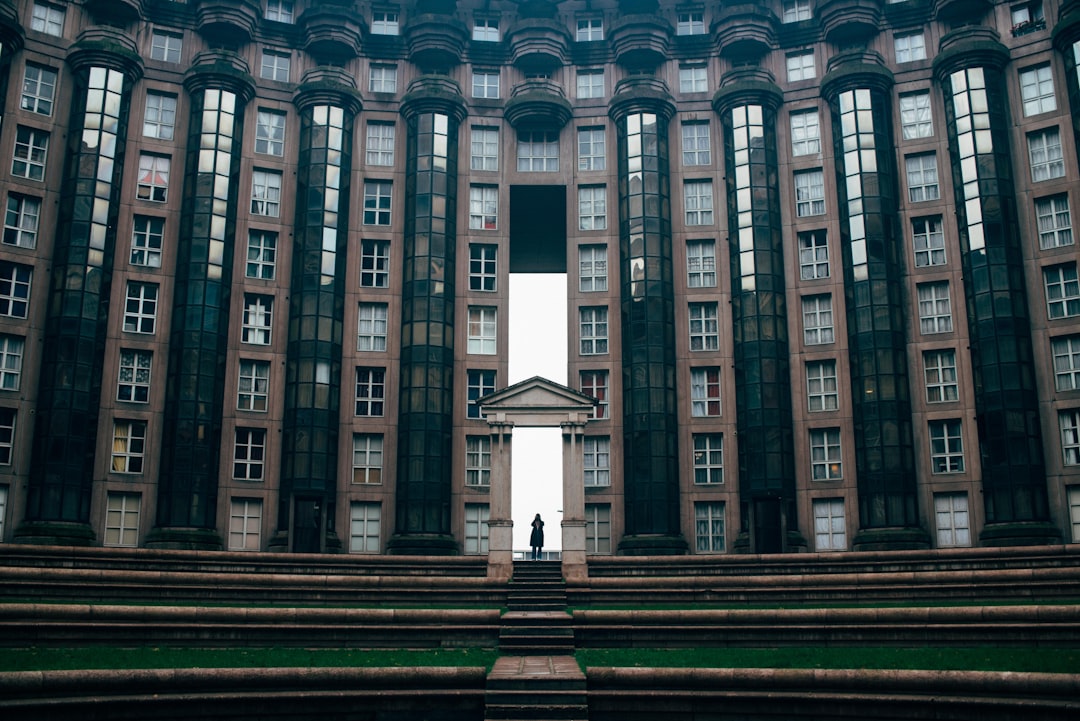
{"x":809,"y":193}
{"x":946,"y":447}
{"x":11,"y":361}
{"x":478,"y":460}
{"x":700,"y":264}
{"x":597,"y":528}
{"x":129,"y":446}
{"x":39,"y":89}
{"x":21,"y":220}
{"x":592,"y":268}
{"x":1054,"y":220}
{"x":939,"y":369}
{"x":121,"y":519}
{"x":595,"y":384}
{"x":1066,"y":354}
{"x":378,"y":196}
{"x":935,"y":309}
{"x":367,"y":461}
{"x":480,"y":383}
{"x":1044,"y":153}
{"x":153,"y":181}
{"x":696,"y":146}
{"x":705,"y":392}
{"x":28,"y":156}
{"x":258,"y":319}
{"x":709,"y":527}
{"x":476,"y":528}
{"x":594,"y":330}
{"x":1062,"y":291}
{"x":249,"y":454}
{"x":245,"y":524}
{"x":140,"y":307}
{"x":371,"y":327}
{"x":818,"y":319}
{"x":253,"y":388}
{"x":698,"y":202}
{"x":922,"y":177}
{"x":813,"y":255}
{"x":592,"y":207}
{"x":928,"y":240}
{"x":916,"y":120}
{"x":375,"y":264}
{"x":704,"y":327}
{"x":380,"y":144}
{"x":483,"y":269}
{"x":830,"y":528}
{"x":266,"y":193}
{"x":365,"y":527}
{"x":597,"y":451}
{"x":952,"y":520}
{"x":805,"y":133}
{"x":270,"y":133}
{"x":261,"y":255}
{"x":7,"y":435}
{"x":159,"y":118}
{"x":826,"y":461}
{"x":482,"y":330}
{"x":1069,"y":423}
{"x":1037,"y":90}
{"x":708,"y":458}
{"x":822,"y":392}
{"x":147,"y":237}
{"x":484,"y":149}
{"x":483,"y":207}
{"x":15,"y":282}
{"x":133,"y":382}
{"x":370,"y":391}
{"x":591,"y":155}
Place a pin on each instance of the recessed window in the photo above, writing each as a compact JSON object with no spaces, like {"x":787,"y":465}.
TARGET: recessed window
{"x":165,"y":46}
{"x":591,"y":149}
{"x":589,"y":30}
{"x":805,"y":133}
{"x":822,"y":392}
{"x":698,"y":202}
{"x":365,"y":527}
{"x":1054,"y":221}
{"x":830,"y":528}
{"x":1062,"y":291}
{"x":705,"y":392}
{"x":382,"y":79}
{"x":922,"y":177}
{"x":809,"y":193}
{"x":597,"y":528}
{"x":709,"y":527}
{"x":813,"y":255}
{"x":590,"y":84}
{"x":1027,"y":18}
{"x":796,"y":11}
{"x":245,"y":524}
{"x":1066,"y":354}
{"x":258,"y":319}
{"x":939,"y":373}
{"x":476,"y":528}
{"x":690,"y":23}
{"x":952,"y":520}
{"x":597,"y":451}
{"x":700,"y":264}
{"x":280,"y":11}
{"x":484,"y":149}
{"x":483,"y":207}
{"x":935,"y":309}
{"x":800,"y":66}
{"x":384,"y":23}
{"x":1069,"y":422}
{"x":128,"y":446}
{"x":370,"y":391}
{"x":480,"y":383}
{"x":825,"y":455}
{"x":7,"y":435}
{"x":38,"y":90}
{"x":817,"y":313}
{"x":696,"y":144}
{"x":708,"y":458}
{"x":249,"y":454}
{"x":693,"y":79}
{"x":592,"y":207}
{"x":159,"y":118}
{"x":47,"y":18}
{"x":14,"y":289}
{"x":266,"y":193}
{"x":477,"y":460}
{"x":592,"y":268}
{"x":928,"y":240}
{"x":1037,"y":90}
{"x":133,"y":380}
{"x":11,"y":361}
{"x":704,"y":327}
{"x":910,"y":47}
{"x":1044,"y":152}
{"x":253,"y":388}
{"x":538,"y":152}
{"x":275,"y":66}
{"x":270,"y":133}
{"x":371,"y":327}
{"x":485,"y":84}
{"x":375,"y":264}
{"x":946,"y":446}
{"x":482,"y":330}
{"x":153,"y":181}
{"x":28,"y":157}
{"x":140,"y":307}
{"x":380,"y":144}
{"x":594,"y":330}
{"x":147,"y":238}
{"x":915,"y":116}
{"x":378,"y":196}
{"x":21,"y":220}
{"x":486,"y":30}
{"x":483,"y":267}
{"x":367,"y":458}
{"x":595,"y":384}
{"x":121,"y":519}
{"x":261,"y":255}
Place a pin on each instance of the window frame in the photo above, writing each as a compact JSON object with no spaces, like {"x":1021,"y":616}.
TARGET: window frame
{"x":38,"y":93}
{"x":370,"y":398}
{"x":253,"y":386}
{"x":704,"y":327}
{"x":134,"y":375}
{"x":249,"y":454}
{"x":946,"y":444}
{"x":826,"y":454}
{"x":822,"y":386}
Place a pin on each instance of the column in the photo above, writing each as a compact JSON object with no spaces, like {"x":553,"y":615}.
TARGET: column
{"x":747,"y":105}
{"x":500,"y":521}
{"x":104,"y":67}
{"x":858,"y":89}
{"x":574,"y":564}
{"x":328,"y":105}
{"x":969,"y":69}
{"x":433,"y":110}
{"x":641,"y":110}
{"x":219,"y":86}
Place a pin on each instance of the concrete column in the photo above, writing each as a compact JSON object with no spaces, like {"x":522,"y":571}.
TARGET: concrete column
{"x":573,"y":520}
{"x":500,"y":523}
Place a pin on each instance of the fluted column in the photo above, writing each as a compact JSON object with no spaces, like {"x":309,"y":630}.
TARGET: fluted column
{"x":500,"y":522}
{"x":641,"y":110}
{"x":747,"y":106}
{"x":969,"y":69}
{"x":574,"y":544}
{"x":328,"y":106}
{"x":858,"y":88}
{"x":433,"y":110}
{"x":219,"y":87}
{"x":104,"y":68}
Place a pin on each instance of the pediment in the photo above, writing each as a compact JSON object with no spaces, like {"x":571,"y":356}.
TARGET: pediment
{"x":537,"y":401}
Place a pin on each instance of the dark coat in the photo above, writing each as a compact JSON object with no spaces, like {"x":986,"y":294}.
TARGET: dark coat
{"x":536,"y":540}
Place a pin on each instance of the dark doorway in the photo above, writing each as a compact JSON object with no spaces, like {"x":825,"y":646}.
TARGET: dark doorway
{"x":768,"y":530}
{"x":307,"y":522}
{"x":537,"y":228}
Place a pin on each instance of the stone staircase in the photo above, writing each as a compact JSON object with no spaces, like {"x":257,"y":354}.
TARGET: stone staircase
{"x":536,"y":678}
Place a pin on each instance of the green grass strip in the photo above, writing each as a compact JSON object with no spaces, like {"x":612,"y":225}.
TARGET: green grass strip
{"x":984,"y":658}
{"x":112,"y":657}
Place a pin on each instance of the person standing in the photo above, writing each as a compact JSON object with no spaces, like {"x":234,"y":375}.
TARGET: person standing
{"x":536,"y":539}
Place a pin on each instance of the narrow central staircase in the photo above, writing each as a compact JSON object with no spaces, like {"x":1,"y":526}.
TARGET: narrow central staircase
{"x":536,"y":678}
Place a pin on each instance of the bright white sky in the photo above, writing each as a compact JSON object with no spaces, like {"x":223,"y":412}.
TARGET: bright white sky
{"x":537,"y":348}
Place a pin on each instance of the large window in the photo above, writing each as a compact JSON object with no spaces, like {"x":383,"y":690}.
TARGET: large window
{"x":1066,"y":353}
{"x":365,"y":527}
{"x":1069,"y":422}
{"x":1062,"y":291}
{"x":245,"y":524}
{"x":1037,"y":90}
{"x":800,"y":66}
{"x":594,"y":330}
{"x":935,"y":309}
{"x":129,"y":446}
{"x":370,"y":391}
{"x":153,"y":181}
{"x":483,"y":207}
{"x":591,"y":154}
{"x":261,"y":255}
{"x":813,"y":255}
{"x":705,"y":392}
{"x":597,"y":460}
{"x":916,"y":120}
{"x":939,"y":372}
{"x":482,"y":330}
{"x":476,"y":528}
{"x":592,"y":268}
{"x":595,"y":384}
{"x":166,"y":46}
{"x":249,"y":454}
{"x":704,"y":327}
{"x":538,"y":151}
{"x":380,"y":144}
{"x":709,"y":527}
{"x":478,"y":460}
{"x":922,"y":177}
{"x":14,"y":289}
{"x":484,"y":149}
{"x":38,"y":90}
{"x":378,"y":197}
{"x":1044,"y":153}
{"x":1055,"y":222}
{"x":698,"y":202}
{"x":28,"y":156}
{"x":147,"y":238}
{"x":367,"y":462}
{"x":928,"y":241}
{"x":133,"y":381}
{"x":696,"y":146}
{"x":258,"y":319}
{"x":480,"y":384}
{"x":253,"y":388}
{"x":809,"y":193}
{"x":266,"y":193}
{"x":822,"y":393}
{"x":826,"y":462}
{"x":597,"y":528}
{"x":371,"y":327}
{"x":121,"y":519}
{"x":817,"y":313}
{"x":11,"y":361}
{"x":140,"y":307}
{"x":708,"y":458}
{"x":21,"y":220}
{"x":805,"y":133}
{"x":375,"y":264}
{"x":952,"y":520}
{"x":700,"y":264}
{"x":270,"y":133}
{"x":946,"y":446}
{"x":830,"y":528}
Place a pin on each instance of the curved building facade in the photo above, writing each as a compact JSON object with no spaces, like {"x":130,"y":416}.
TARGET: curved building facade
{"x":821,"y":269}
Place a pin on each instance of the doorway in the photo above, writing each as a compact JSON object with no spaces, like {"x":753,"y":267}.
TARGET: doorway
{"x":307,"y":523}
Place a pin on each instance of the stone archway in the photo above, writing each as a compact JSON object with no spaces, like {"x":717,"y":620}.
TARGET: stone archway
{"x":537,"y":403}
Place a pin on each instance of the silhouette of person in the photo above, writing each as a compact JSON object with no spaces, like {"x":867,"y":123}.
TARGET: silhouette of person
{"x":536,"y":538}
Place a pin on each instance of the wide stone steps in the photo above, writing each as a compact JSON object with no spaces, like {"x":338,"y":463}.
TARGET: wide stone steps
{"x":536,"y":688}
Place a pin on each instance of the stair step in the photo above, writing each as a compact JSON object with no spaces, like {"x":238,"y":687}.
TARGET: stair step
{"x":537,"y":713}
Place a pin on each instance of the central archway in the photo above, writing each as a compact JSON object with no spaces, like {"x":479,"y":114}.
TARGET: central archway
{"x":537,"y":403}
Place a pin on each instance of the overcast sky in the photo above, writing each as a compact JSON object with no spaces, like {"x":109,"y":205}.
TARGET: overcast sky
{"x":537,"y":348}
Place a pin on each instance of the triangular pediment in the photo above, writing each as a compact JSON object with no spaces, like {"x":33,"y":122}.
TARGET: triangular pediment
{"x":527,"y":402}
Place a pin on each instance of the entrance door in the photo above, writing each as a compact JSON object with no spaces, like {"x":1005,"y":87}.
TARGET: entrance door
{"x":768,"y":530}
{"x":307,"y":525}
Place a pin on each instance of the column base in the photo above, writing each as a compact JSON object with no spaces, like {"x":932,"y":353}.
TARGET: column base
{"x":184,"y":539}
{"x":54,"y":533}
{"x":1034,"y":533}
{"x":652,"y":546}
{"x":421,"y":544}
{"x":891,"y":539}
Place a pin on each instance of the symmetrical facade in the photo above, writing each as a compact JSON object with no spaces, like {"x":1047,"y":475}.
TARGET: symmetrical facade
{"x":821,"y":269}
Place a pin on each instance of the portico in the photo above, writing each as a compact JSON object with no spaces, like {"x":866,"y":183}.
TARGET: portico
{"x":537,"y":403}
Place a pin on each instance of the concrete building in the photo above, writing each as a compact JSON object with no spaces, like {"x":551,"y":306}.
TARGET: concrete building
{"x":822,"y":273}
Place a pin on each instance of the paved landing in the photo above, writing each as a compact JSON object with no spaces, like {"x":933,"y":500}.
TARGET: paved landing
{"x":536,"y":667}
